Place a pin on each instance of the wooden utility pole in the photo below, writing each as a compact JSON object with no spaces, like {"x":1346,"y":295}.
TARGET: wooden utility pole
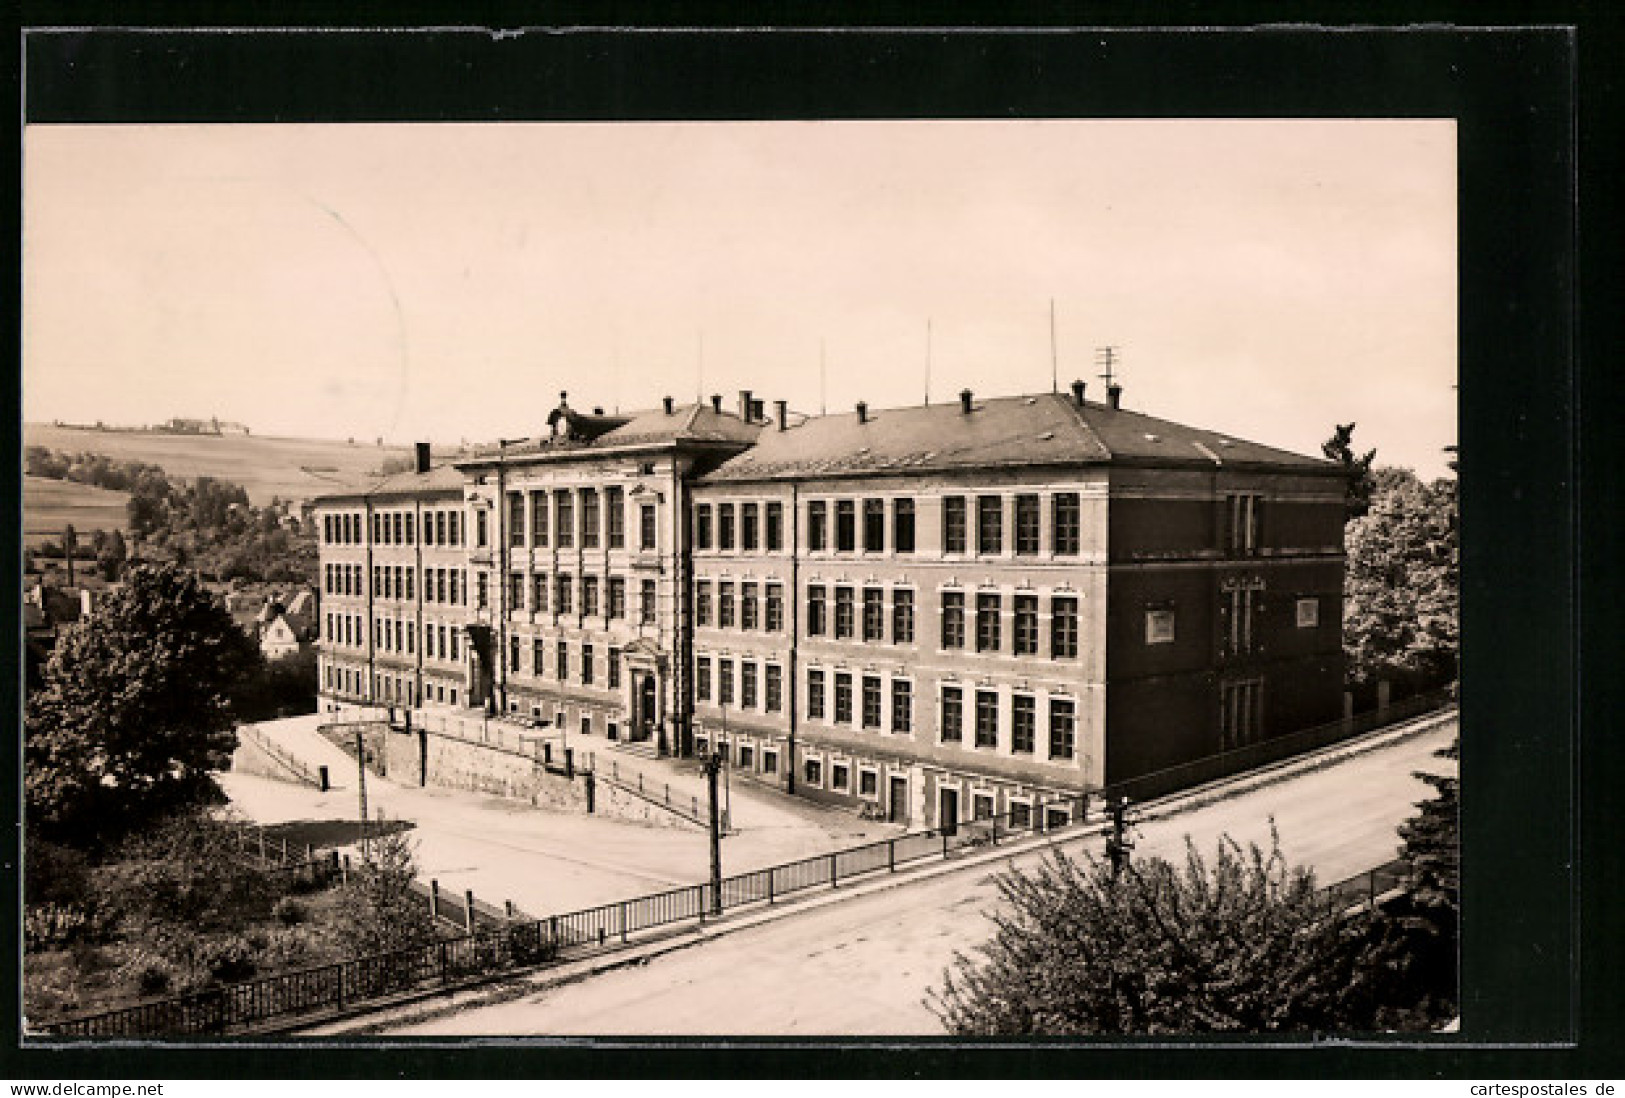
{"x":1117,"y":844}
{"x":712,"y":766}
{"x":361,"y":783}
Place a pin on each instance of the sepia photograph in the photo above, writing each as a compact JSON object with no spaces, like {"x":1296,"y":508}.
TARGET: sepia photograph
{"x":1045,"y":529}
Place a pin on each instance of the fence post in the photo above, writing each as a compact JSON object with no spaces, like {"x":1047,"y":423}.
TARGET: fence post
{"x":434,"y":899}
{"x":995,"y":829}
{"x":833,"y":878}
{"x":553,"y":931}
{"x":770,"y":876}
{"x":442,"y":962}
{"x":668,"y":794}
{"x":468,"y":910}
{"x":623,"y":922}
{"x":944,"y":844}
{"x":891,"y":855}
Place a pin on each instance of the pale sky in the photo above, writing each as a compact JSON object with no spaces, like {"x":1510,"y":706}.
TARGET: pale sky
{"x":443,"y":282}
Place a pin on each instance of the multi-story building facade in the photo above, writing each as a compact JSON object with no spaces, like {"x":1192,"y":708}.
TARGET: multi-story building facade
{"x":939,"y":612}
{"x":561,"y":589}
{"x":995,"y":602}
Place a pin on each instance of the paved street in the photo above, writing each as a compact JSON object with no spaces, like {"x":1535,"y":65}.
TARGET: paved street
{"x":545,"y":862}
{"x":863,"y":965}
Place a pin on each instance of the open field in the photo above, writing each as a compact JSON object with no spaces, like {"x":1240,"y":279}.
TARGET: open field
{"x":49,"y":505}
{"x":294,"y":469}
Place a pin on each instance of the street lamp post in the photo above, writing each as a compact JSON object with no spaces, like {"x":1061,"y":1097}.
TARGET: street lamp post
{"x":713,"y":764}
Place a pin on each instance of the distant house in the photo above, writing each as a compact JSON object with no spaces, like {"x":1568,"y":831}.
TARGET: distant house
{"x":278,"y":639}
{"x":301,"y":615}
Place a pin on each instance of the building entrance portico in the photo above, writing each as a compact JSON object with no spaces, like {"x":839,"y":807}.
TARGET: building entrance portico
{"x":645,"y":692}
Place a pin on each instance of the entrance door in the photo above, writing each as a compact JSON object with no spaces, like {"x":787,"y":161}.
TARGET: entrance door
{"x":897,"y":808}
{"x":646,"y":707}
{"x":948,"y":818}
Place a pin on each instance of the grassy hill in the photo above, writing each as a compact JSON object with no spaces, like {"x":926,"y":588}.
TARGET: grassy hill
{"x":49,"y":505}
{"x":290,"y":468}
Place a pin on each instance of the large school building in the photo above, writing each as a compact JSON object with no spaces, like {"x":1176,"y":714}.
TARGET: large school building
{"x":939,"y":611}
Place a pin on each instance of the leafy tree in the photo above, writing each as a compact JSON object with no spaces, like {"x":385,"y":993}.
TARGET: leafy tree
{"x":70,"y":543}
{"x":1340,"y":448}
{"x":378,"y":909}
{"x":1401,"y":596}
{"x":133,"y":713}
{"x":1244,"y":945}
{"x":1429,"y":913}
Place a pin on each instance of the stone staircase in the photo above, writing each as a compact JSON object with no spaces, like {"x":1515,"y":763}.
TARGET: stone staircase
{"x":641,"y":749}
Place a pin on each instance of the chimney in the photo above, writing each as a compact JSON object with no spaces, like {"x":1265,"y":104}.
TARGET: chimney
{"x":563,"y":401}
{"x":758,"y":411}
{"x":421,"y":464}
{"x":863,"y":412}
{"x":744,"y":405}
{"x":1114,"y":395}
{"x":667,"y":401}
{"x":782,"y":408}
{"x":964,"y":401}
{"x":1077,"y":393}
{"x":716,"y":402}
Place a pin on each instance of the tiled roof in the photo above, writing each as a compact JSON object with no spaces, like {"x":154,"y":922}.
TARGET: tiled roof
{"x":1046,"y":429}
{"x":686,"y":423}
{"x":441,"y":478}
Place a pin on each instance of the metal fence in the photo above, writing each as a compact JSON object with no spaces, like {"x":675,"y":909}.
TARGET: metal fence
{"x":276,"y":1001}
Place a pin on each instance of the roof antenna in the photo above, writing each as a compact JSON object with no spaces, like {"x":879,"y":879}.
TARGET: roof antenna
{"x":928,"y":362}
{"x":1107,"y":357}
{"x":1054,"y":383}
{"x":823,"y":407}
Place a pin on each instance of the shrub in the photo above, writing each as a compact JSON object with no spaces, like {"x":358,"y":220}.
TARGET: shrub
{"x":228,"y":960}
{"x":48,"y":925}
{"x":290,"y":912}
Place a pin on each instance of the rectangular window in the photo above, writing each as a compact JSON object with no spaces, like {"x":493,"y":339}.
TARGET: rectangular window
{"x":647,"y":607}
{"x":749,"y":526}
{"x":815,"y":695}
{"x":814,"y":771}
{"x":1062,"y":728}
{"x":725,"y":526}
{"x":440,"y":527}
{"x":538,"y":592}
{"x":843,"y":698}
{"x":987,"y":621}
{"x":1159,"y":627}
{"x":815,"y":610}
{"x":455,"y":577}
{"x":513,"y":655}
{"x":953,"y":715}
{"x":1241,"y":523}
{"x":843,"y":613}
{"x":702,"y":603}
{"x":399,"y":522}
{"x":702,"y":678}
{"x":564,"y":514}
{"x":817,"y":525}
{"x":589,"y":596}
{"x":902,"y":706}
{"x":953,"y":524}
{"x":1068,"y":527}
{"x":482,"y":531}
{"x":987,"y":718}
{"x":565,"y":590}
{"x":725,"y":681}
{"x":1023,"y":723}
{"x":617,"y":597}
{"x":770,"y":762}
{"x":411,"y":581}
{"x":989,"y":525}
{"x":748,"y":606}
{"x":846,"y":525}
{"x":586,"y":665}
{"x":646,"y":527}
{"x":590,"y":523}
{"x":483,"y":598}
{"x":902,"y":526}
{"x":1026,"y":526}
{"x":775,"y":608}
{"x":562,"y":665}
{"x":615,"y":513}
{"x":516,"y":590}
{"x":1308,"y":613}
{"x":874,"y":525}
{"x":871,"y":701}
{"x":868,"y":783}
{"x":747,"y":685}
{"x":902,"y":616}
{"x":725,"y":604}
{"x":516,"y":519}
{"x":1025,"y":641}
{"x":702,"y":526}
{"x":538,"y":656}
{"x":773,"y":697}
{"x":839,"y":776}
{"x":538,"y":518}
{"x":874,"y":614}
{"x":953,"y":619}
{"x":614,"y":668}
{"x":775,"y":527}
